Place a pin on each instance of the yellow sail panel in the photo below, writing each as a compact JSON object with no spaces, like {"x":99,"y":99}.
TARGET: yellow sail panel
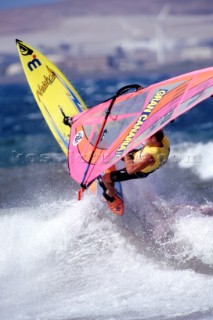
{"x":51,"y":90}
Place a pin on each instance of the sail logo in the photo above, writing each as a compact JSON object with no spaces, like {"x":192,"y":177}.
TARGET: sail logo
{"x":149,"y":108}
{"x":78,"y":138}
{"x":46,"y":82}
{"x":34,"y":64}
{"x":25,"y":51}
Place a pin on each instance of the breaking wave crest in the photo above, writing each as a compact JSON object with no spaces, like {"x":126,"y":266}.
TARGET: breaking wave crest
{"x":68,"y":259}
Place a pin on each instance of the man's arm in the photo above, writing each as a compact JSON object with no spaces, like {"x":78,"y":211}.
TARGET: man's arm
{"x":133,"y":166}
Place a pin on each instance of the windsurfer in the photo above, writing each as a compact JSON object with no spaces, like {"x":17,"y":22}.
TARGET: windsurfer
{"x":140,"y":163}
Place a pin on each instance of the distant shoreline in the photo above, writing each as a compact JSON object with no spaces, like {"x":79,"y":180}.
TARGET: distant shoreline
{"x":109,"y":39}
{"x":166,"y":71}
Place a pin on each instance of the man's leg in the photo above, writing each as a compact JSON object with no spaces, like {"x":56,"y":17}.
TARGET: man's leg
{"x":109,"y":184}
{"x":110,"y":178}
{"x":120,"y":175}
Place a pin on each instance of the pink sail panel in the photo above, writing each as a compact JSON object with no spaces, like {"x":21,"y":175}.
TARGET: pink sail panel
{"x":133,"y":118}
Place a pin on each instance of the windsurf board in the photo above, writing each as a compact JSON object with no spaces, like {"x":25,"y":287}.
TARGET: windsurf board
{"x":116,"y":204}
{"x":53,"y":93}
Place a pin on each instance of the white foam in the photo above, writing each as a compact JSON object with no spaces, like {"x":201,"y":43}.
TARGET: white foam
{"x":194,"y":234}
{"x":71,"y":260}
{"x":198,"y":157}
{"x":28,"y":235}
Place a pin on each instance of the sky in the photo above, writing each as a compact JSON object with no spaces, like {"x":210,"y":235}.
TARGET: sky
{"x":7,"y":4}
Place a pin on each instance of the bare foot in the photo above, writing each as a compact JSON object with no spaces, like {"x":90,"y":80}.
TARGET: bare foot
{"x":111,"y":192}
{"x":110,"y":188}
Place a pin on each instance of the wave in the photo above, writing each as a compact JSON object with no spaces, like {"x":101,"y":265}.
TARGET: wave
{"x":193,"y":235}
{"x":69,"y":259}
{"x":195,"y":156}
{"x":64,"y":259}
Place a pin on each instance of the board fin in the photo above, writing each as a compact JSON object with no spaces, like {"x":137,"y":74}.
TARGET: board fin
{"x":80,"y":194}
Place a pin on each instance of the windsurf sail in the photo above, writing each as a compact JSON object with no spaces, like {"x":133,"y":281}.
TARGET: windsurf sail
{"x":54,"y":94}
{"x":132,"y":119}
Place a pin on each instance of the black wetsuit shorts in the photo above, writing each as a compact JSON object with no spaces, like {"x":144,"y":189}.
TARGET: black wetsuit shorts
{"x":122,"y":175}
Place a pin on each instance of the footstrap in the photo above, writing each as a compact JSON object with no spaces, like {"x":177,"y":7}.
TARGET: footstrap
{"x":107,"y":197}
{"x":102,"y":185}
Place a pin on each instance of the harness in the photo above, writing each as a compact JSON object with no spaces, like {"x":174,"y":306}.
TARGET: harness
{"x":160,"y":155}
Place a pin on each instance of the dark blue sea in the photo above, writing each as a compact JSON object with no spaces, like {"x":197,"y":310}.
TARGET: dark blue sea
{"x":10,"y":4}
{"x":65,"y":259}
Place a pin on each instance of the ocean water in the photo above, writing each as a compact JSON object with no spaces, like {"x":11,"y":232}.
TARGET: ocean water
{"x":9,"y":4}
{"x":64,"y":259}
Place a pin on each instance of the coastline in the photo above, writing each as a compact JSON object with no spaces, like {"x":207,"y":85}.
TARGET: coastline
{"x":108,"y":39}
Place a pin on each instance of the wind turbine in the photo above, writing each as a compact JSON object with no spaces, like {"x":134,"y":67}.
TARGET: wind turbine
{"x":160,"y":36}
